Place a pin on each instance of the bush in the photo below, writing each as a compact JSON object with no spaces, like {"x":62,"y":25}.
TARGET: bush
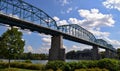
{"x":110,"y":64}
{"x":3,"y":64}
{"x":28,"y":61}
{"x":23,"y":65}
{"x":9,"y":69}
{"x":55,"y":65}
{"x":72,"y":65}
{"x":92,"y":69}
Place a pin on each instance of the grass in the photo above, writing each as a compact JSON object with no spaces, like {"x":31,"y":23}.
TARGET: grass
{"x":16,"y":69}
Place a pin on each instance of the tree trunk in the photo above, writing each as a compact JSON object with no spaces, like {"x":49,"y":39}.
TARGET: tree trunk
{"x":9,"y":63}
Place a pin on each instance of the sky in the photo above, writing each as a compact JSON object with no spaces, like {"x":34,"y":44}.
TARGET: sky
{"x":100,"y":17}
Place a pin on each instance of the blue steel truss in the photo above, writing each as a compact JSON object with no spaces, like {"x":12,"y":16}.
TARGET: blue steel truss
{"x":24,"y":11}
{"x":78,"y":31}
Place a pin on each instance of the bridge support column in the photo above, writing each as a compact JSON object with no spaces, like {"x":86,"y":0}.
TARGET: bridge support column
{"x":57,"y":52}
{"x":95,"y":55}
{"x":112,"y":54}
{"x":107,"y":53}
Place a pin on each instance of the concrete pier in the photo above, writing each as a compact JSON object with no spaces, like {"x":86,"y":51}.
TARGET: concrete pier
{"x":107,"y":53}
{"x":57,"y":52}
{"x":95,"y":55}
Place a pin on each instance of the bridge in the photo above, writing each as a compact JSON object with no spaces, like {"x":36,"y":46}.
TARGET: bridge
{"x":26,"y":16}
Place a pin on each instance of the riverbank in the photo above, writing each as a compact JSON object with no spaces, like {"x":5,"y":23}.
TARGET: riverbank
{"x":85,"y":65}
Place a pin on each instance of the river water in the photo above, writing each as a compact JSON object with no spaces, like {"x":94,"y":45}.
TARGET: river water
{"x":37,"y":61}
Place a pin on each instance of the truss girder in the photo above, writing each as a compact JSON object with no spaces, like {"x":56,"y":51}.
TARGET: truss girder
{"x":22,"y":10}
{"x":78,"y":31}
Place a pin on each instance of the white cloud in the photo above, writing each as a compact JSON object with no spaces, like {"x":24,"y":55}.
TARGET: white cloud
{"x":74,"y":21}
{"x":69,"y":10}
{"x":26,"y":31}
{"x":64,"y":2}
{"x":29,"y":48}
{"x":99,"y":34}
{"x":112,"y":4}
{"x":46,"y":40}
{"x":56,"y":18}
{"x":115,"y":43}
{"x":43,"y":49}
{"x":62,"y":22}
{"x":78,"y":47}
{"x":94,"y":18}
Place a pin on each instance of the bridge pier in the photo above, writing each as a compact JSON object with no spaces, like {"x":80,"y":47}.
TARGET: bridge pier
{"x":57,"y":52}
{"x":112,"y":54}
{"x":107,"y":53}
{"x":95,"y":55}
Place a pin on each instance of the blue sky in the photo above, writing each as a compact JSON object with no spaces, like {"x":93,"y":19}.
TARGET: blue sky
{"x":101,"y":17}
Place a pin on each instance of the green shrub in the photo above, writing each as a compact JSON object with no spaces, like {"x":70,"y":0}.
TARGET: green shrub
{"x":72,"y":65}
{"x":3,"y":64}
{"x":55,"y":65}
{"x":49,"y":70}
{"x":23,"y":65}
{"x":66,"y":67}
{"x":92,"y":69}
{"x":9,"y":69}
{"x":28,"y":61}
{"x":118,"y":66}
{"x":110,"y":64}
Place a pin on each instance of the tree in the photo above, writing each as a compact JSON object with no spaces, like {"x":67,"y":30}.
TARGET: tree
{"x":118,"y":53}
{"x":11,"y":44}
{"x":102,"y":54}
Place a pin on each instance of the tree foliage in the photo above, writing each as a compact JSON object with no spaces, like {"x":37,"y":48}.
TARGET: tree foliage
{"x":118,"y":53}
{"x":11,"y":44}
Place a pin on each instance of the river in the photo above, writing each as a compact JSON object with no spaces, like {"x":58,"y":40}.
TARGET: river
{"x":37,"y":61}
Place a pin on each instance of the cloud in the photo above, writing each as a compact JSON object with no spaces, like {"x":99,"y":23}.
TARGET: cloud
{"x":60,"y":22}
{"x":26,"y":31}
{"x":78,"y":47}
{"x":99,"y":34}
{"x":69,"y":10}
{"x":115,"y":43}
{"x":94,"y":18}
{"x":112,"y":4}
{"x":29,"y":49}
{"x":64,"y":2}
{"x":46,"y":40}
{"x":43,"y":50}
{"x":56,"y":18}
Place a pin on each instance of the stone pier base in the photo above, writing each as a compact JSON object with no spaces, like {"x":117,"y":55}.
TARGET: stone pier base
{"x":107,"y":53}
{"x":95,"y":55}
{"x":56,"y":52}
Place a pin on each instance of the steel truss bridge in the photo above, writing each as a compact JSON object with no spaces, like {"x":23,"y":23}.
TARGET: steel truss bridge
{"x":26,"y":16}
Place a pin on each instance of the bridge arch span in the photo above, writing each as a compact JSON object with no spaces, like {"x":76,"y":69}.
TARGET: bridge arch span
{"x":77,"y":31}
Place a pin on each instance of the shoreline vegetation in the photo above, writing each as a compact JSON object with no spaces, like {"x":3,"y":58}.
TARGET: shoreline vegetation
{"x":84,"y":65}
